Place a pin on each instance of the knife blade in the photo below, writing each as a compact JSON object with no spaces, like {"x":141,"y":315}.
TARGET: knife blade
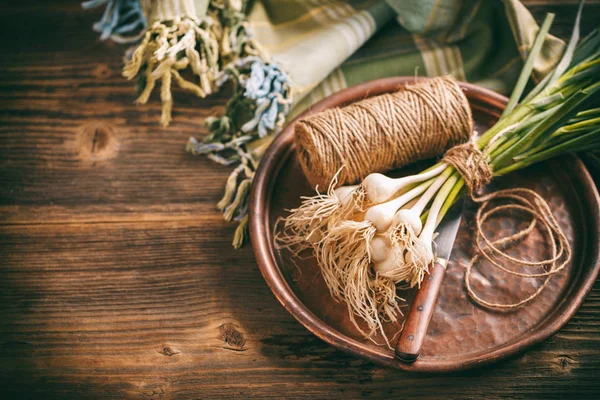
{"x":411,"y":339}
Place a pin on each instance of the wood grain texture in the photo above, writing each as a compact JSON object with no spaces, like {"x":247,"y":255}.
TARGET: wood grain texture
{"x":117,"y":275}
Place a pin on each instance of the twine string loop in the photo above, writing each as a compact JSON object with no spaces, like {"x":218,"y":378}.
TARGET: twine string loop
{"x":474,"y":167}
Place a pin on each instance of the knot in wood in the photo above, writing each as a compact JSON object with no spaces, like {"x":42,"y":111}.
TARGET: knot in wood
{"x":168,"y":351}
{"x":101,"y":71}
{"x":97,"y":141}
{"x":229,"y":334}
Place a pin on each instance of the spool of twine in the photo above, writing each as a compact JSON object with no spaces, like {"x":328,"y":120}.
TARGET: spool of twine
{"x":380,"y":133}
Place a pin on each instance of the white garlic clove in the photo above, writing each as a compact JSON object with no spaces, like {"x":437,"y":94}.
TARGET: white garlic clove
{"x":344,"y":194}
{"x":393,"y":261}
{"x":410,"y":218}
{"x":422,"y":255}
{"x":379,"y":188}
{"x":380,"y":248}
{"x":381,"y":216}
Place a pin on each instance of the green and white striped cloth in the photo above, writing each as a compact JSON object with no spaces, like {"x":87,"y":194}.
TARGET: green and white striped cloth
{"x":327,"y":45}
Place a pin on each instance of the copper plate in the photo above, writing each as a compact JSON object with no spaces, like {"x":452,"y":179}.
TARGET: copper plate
{"x":461,"y":334}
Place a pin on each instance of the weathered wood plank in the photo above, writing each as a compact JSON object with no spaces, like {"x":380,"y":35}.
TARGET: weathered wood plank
{"x":116,"y":271}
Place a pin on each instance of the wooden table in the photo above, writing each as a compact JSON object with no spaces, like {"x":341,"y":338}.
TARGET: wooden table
{"x":117,"y":275}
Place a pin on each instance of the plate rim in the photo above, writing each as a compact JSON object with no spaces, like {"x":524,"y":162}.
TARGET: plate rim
{"x":259,"y":206}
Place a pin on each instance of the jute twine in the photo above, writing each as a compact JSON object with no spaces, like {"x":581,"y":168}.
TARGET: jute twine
{"x":473,"y":165}
{"x":383,"y":132}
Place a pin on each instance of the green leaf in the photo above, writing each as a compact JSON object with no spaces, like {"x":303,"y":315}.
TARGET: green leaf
{"x":565,"y":61}
{"x":568,"y":109}
{"x":528,"y":67}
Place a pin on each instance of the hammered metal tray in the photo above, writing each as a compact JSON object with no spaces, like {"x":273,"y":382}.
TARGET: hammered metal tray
{"x":461,"y":334}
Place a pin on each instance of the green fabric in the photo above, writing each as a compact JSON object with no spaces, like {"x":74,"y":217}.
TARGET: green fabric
{"x":326,"y":46}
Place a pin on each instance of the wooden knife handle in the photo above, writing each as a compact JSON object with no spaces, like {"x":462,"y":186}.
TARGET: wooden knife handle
{"x":419,"y":315}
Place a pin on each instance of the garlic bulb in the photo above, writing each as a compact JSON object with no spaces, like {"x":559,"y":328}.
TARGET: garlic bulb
{"x":380,"y":188}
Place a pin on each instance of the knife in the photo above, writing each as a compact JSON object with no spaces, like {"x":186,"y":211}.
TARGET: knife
{"x":419,"y":315}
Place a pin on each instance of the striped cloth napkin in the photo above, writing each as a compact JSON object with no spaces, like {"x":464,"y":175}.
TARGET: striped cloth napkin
{"x":284,"y":55}
{"x":326,"y":46}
